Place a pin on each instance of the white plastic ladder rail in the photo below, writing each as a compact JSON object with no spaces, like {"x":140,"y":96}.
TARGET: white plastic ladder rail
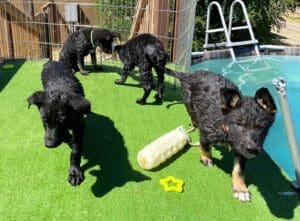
{"x":223,"y":29}
{"x":247,"y":26}
{"x":229,"y":44}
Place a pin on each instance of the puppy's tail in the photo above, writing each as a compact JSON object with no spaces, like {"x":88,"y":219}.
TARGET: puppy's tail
{"x":178,"y":75}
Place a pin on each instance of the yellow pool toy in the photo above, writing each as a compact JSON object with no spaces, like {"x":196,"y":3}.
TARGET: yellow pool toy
{"x":172,"y":184}
{"x":8,"y":66}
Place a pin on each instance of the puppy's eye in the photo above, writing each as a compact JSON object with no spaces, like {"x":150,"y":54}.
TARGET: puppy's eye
{"x":239,"y":124}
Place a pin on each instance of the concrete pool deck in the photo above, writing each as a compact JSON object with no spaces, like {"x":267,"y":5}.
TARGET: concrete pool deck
{"x":290,"y":33}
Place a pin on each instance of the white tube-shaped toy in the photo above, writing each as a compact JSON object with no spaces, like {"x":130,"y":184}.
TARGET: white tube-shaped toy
{"x":163,"y":148}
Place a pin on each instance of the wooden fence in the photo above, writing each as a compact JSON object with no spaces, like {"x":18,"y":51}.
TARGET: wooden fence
{"x":37,"y":29}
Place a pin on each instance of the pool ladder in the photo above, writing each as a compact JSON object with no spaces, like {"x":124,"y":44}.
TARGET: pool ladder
{"x":227,"y":31}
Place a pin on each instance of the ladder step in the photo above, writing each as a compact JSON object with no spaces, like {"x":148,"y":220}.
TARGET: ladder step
{"x":240,"y":27}
{"x":215,"y":30}
{"x":213,"y":45}
{"x":240,"y":43}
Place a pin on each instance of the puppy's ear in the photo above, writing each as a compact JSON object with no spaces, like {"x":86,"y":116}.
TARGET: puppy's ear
{"x":265,"y":100}
{"x":230,"y":98}
{"x":79,"y":103}
{"x":36,"y":98}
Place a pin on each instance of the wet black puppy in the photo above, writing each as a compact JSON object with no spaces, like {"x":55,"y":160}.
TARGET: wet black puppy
{"x":83,"y":42}
{"x":144,"y":51}
{"x":62,"y":107}
{"x":223,"y":115}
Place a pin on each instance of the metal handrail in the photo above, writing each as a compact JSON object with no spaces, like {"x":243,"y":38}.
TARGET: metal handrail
{"x":227,"y":31}
{"x":224,"y":29}
{"x":280,"y":85}
{"x":247,"y":26}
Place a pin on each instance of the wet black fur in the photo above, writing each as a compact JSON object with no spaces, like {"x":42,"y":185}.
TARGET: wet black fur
{"x":223,"y":115}
{"x":62,"y":107}
{"x":146,"y":52}
{"x":78,"y":45}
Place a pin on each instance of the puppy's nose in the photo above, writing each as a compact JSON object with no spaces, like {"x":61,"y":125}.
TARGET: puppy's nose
{"x":51,"y":143}
{"x":253,"y":150}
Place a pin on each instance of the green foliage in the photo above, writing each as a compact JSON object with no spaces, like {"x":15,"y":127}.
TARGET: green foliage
{"x":263,"y":14}
{"x":116,"y":14}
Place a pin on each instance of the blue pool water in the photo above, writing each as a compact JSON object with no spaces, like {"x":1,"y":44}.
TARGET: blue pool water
{"x":250,"y":74}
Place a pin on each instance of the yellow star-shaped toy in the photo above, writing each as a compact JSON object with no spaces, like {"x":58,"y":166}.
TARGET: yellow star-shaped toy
{"x":172,"y":184}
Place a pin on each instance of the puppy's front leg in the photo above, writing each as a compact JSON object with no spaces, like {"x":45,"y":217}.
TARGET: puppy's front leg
{"x":80,"y":64}
{"x":240,"y":190}
{"x":75,"y":174}
{"x":125,"y":73}
{"x":160,"y":85}
{"x":94,"y":61}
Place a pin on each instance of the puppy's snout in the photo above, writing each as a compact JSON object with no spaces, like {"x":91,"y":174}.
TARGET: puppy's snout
{"x":50,"y":143}
{"x":51,"y":138}
{"x":253,"y":151}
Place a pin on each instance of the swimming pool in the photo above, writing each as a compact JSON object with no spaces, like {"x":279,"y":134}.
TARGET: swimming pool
{"x":252,"y":73}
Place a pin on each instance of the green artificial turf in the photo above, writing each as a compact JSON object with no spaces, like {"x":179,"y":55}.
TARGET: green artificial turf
{"x":33,"y":184}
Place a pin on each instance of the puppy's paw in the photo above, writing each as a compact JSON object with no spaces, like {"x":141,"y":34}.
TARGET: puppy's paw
{"x":239,"y":188}
{"x":75,"y":176}
{"x":206,"y":161}
{"x":84,"y":72}
{"x":242,"y":195}
{"x":158,"y":99}
{"x":140,"y":101}
{"x":119,"y":81}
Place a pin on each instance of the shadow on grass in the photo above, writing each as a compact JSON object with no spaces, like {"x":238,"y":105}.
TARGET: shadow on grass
{"x":104,"y":148}
{"x":269,"y":180}
{"x":172,"y":91}
{"x":7,"y":74}
{"x":106,"y":69}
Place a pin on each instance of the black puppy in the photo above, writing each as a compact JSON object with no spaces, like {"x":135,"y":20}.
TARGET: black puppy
{"x":144,"y":51}
{"x":83,"y":42}
{"x":223,"y":115}
{"x":62,"y":107}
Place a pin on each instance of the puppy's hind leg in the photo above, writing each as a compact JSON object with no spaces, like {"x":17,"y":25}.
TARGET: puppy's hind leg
{"x":146,"y":79}
{"x":160,"y":85}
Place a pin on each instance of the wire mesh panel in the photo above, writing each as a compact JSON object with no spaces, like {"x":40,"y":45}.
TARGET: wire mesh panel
{"x":38,"y":29}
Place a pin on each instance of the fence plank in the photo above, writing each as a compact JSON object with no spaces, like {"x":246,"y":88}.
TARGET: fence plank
{"x":8,"y":33}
